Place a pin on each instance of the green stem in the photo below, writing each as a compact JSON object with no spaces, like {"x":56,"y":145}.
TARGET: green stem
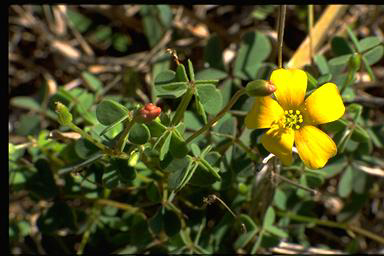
{"x":280,"y":35}
{"x":350,"y":76}
{"x":87,"y":136}
{"x":332,"y":224}
{"x":123,"y":137}
{"x":232,"y":102}
{"x":183,"y":104}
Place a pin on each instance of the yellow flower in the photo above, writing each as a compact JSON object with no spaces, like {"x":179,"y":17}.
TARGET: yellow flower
{"x":292,"y":120}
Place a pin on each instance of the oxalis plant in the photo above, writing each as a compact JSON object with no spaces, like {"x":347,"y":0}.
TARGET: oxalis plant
{"x":161,"y":168}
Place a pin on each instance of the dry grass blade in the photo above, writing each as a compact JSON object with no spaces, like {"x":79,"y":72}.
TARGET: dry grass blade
{"x":319,"y":33}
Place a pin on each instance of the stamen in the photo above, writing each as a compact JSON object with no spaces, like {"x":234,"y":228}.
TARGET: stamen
{"x":292,"y":119}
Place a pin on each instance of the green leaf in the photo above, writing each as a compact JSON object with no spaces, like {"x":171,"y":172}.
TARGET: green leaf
{"x":341,"y":60}
{"x":28,"y":125}
{"x":276,"y":231}
{"x":213,"y":53}
{"x":374,"y":55}
{"x":164,"y":144}
{"x":369,"y":42}
{"x":345,"y":184}
{"x":200,"y":109}
{"x":334,"y":167}
{"x":156,"y":128}
{"x":109,"y":111}
{"x":178,"y":147}
{"x":42,"y":182}
{"x":254,"y":49}
{"x":165,"y":77}
{"x":195,"y":150}
{"x":360,"y":134}
{"x":340,"y":46}
{"x":322,"y":64}
{"x":84,"y":149}
{"x":269,"y":217}
{"x":25,"y":102}
{"x":171,"y":90}
{"x":324,"y":79}
{"x":172,"y":223}
{"x":114,"y":125}
{"x":125,"y":172}
{"x":92,"y":81}
{"x":190,"y":70}
{"x":139,"y":134}
{"x":121,"y":42}
{"x":181,"y":74}
{"x":211,"y":74}
{"x":80,"y":21}
{"x":153,"y":192}
{"x":111,"y":177}
{"x":280,"y":199}
{"x":210,"y":97}
{"x":312,"y":81}
{"x":177,"y":178}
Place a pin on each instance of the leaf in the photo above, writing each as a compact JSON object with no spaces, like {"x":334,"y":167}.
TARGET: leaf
{"x":80,"y":21}
{"x":340,"y":46}
{"x":210,"y":97}
{"x":341,"y":60}
{"x":153,"y":192}
{"x":181,"y":74}
{"x":176,"y":179}
{"x":139,"y":134}
{"x":280,"y":199}
{"x":374,"y":55}
{"x":84,"y":149}
{"x":277,"y":231}
{"x":269,"y":217}
{"x":213,"y":53}
{"x":171,"y":90}
{"x":322,"y":64}
{"x":211,"y":74}
{"x":92,"y":81}
{"x":163,"y":144}
{"x":254,"y":49}
{"x":195,"y":150}
{"x":360,"y":134}
{"x":114,"y":126}
{"x":200,"y":109}
{"x":324,"y":79}
{"x":178,"y":147}
{"x":345,"y":184}
{"x":125,"y":172}
{"x":28,"y":125}
{"x":165,"y":77}
{"x":109,"y":111}
{"x":190,"y":70}
{"x":172,"y":223}
{"x":369,"y":42}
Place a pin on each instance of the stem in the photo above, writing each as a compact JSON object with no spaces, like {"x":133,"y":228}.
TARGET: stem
{"x":350,"y":76}
{"x":123,"y":137}
{"x":280,"y":35}
{"x":87,"y":136}
{"x":310,"y":25}
{"x":183,"y":104}
{"x":233,"y":100}
{"x":332,"y":224}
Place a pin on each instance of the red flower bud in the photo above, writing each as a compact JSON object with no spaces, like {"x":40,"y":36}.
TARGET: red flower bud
{"x":149,"y":112}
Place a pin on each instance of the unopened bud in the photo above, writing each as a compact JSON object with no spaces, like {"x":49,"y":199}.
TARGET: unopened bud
{"x":133,"y":158}
{"x":260,"y":88}
{"x":65,"y":117}
{"x":148,"y":113}
{"x":355,"y":61}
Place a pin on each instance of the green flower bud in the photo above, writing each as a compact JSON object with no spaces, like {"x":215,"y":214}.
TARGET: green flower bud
{"x":259,"y":88}
{"x":65,"y":117}
{"x":355,"y":61}
{"x":134,"y":157}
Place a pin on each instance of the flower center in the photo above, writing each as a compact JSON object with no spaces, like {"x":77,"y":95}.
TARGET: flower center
{"x":292,"y":119}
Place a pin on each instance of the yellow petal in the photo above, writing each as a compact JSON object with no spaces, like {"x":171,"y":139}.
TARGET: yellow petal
{"x":264,"y":112}
{"x":324,"y":105}
{"x":314,"y":146}
{"x":279,"y":141}
{"x":291,"y":85}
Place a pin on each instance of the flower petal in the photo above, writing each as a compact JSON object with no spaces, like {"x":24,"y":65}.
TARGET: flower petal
{"x":279,"y":141}
{"x":264,"y":112}
{"x":291,"y":85}
{"x":324,"y":105}
{"x":314,"y":146}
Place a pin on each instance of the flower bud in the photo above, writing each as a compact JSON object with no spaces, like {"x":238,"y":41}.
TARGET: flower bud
{"x":355,"y":61}
{"x":65,"y":117}
{"x":148,"y":113}
{"x":260,"y":88}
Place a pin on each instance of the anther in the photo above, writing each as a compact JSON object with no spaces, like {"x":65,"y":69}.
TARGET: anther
{"x":290,"y":111}
{"x":297,"y":127}
{"x":297,"y":112}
